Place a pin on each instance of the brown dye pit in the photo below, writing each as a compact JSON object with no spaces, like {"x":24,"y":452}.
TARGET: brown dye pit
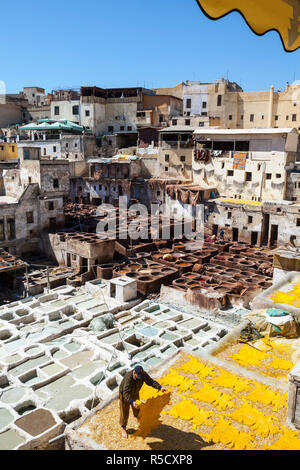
{"x":36,"y":423}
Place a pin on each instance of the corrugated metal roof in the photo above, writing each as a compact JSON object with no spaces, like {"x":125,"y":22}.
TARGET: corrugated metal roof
{"x":210,"y":131}
{"x":179,"y":129}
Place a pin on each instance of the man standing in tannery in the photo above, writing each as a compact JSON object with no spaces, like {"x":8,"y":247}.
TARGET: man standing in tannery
{"x":129,"y":394}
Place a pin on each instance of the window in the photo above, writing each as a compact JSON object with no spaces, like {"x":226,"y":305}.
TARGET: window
{"x":287,"y":118}
{"x":230,"y":117}
{"x":158,"y":193}
{"x":276,"y":118}
{"x":110,"y":128}
{"x":29,"y":217}
{"x":242,"y":145}
{"x":278,"y":175}
{"x":230,"y":173}
{"x":251,"y":117}
{"x":167,"y":158}
{"x":56,"y":110}
{"x":250,"y":219}
{"x":29,"y":180}
{"x":50,"y":206}
{"x":242,"y":117}
{"x":259,"y":167}
{"x":182,"y":158}
{"x":201,"y":124}
{"x":122,"y":128}
{"x":11,"y":229}
{"x":204,"y":113}
{"x":55,"y":183}
{"x":294,"y":117}
{"x":226,"y":145}
{"x":54,"y":149}
{"x":204,"y":105}
{"x":263,"y":117}
{"x":166,"y":168}
{"x":75,"y":110}
{"x":67,"y":145}
{"x":129,"y":128}
{"x":13,"y":149}
{"x":187,"y":122}
{"x":76,"y":145}
{"x":174,"y":122}
{"x":298,"y":222}
{"x":229,"y":215}
{"x":45,"y":151}
{"x":87,"y":113}
{"x":219,"y":100}
{"x":189,"y":103}
{"x":268,"y":176}
{"x":248,"y":176}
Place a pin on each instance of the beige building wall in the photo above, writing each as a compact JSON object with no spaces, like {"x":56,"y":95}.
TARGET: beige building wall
{"x":264,"y":176}
{"x":176,"y":154}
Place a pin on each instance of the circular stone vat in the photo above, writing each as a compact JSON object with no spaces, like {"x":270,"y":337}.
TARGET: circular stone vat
{"x":144,"y":271}
{"x":133,"y":275}
{"x":190,"y":285}
{"x":134,"y":267}
{"x":180,"y":282}
{"x":155,"y":273}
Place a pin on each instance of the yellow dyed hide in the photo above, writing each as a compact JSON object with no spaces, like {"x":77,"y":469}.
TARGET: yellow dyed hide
{"x":262,"y":16}
{"x":255,"y":419}
{"x":150,"y":412}
{"x":224,"y":433}
{"x":188,"y":411}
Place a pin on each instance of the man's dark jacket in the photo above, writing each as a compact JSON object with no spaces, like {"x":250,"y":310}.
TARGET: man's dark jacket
{"x":130,"y":387}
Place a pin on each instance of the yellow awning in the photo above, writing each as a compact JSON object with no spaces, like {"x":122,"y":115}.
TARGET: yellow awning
{"x":262,"y":16}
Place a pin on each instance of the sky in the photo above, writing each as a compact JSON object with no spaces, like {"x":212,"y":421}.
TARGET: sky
{"x":122,"y":43}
